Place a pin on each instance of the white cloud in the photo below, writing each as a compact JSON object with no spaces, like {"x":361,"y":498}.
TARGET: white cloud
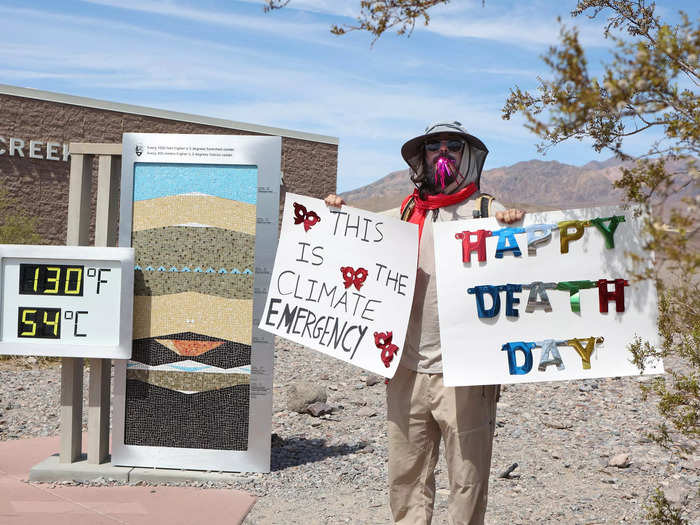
{"x":519,"y":30}
{"x":309,"y":31}
{"x":523,"y":26}
{"x":171,"y":61}
{"x":329,"y":7}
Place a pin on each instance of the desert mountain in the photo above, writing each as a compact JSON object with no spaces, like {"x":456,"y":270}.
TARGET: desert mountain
{"x":531,"y":185}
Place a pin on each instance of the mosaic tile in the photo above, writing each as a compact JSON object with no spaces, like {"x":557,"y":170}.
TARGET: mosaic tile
{"x":228,"y":355}
{"x":189,"y":381}
{"x":154,"y":180}
{"x":189,"y":366}
{"x":231,"y":285}
{"x":230,"y":319}
{"x":195,"y":209}
{"x":194,"y":247}
{"x":216,"y":419}
{"x":189,"y":347}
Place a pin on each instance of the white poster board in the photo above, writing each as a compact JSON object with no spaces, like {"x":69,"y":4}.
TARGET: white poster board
{"x":343,"y":283}
{"x":522,"y":340}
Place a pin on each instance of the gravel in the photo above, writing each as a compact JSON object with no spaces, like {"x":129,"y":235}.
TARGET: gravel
{"x":567,"y":439}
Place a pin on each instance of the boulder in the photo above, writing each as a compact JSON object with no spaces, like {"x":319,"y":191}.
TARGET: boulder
{"x":373,"y":380}
{"x":301,"y":394}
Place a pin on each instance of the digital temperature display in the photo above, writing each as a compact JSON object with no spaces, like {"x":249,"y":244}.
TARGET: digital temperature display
{"x":68,"y":301}
{"x":41,"y":323}
{"x":46,"y":279}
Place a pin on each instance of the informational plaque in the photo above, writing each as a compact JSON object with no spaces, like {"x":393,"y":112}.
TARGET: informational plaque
{"x":343,"y":283}
{"x":201,"y":212}
{"x":66,"y":301}
{"x":550,"y":299}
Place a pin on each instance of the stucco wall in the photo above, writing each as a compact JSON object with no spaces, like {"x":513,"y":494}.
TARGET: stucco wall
{"x":40,"y":187}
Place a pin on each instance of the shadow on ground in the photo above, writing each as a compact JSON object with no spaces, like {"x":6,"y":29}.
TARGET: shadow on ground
{"x":296,"y":451}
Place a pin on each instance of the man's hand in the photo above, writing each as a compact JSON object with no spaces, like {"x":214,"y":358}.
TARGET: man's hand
{"x":508,"y":216}
{"x":334,"y":200}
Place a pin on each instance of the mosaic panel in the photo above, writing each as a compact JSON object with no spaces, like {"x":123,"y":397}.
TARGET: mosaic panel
{"x":188,"y":382}
{"x":216,"y":419}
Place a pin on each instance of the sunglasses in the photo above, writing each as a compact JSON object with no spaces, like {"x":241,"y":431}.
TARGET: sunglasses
{"x":452,"y":145}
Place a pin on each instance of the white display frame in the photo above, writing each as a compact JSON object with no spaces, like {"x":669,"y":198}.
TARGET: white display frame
{"x":84,"y":255}
{"x":265,"y":153}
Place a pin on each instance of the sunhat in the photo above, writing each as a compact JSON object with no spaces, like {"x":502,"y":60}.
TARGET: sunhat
{"x":414,"y":148}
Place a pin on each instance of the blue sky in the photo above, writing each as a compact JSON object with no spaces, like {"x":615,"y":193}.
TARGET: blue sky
{"x":228,"y":59}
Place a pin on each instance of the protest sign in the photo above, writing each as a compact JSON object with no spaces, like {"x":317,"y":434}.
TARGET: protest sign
{"x":547,"y":300}
{"x":343,"y":283}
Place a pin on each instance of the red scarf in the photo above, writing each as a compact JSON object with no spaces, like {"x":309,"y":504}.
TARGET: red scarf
{"x":433,"y":202}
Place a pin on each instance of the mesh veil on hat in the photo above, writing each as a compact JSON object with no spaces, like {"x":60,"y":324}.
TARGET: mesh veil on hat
{"x":473,"y":157}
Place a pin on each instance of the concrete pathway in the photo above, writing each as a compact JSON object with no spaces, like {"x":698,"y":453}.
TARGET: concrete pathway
{"x":38,"y":504}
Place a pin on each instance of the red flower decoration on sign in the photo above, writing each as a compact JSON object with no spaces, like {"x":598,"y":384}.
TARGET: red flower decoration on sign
{"x":352,"y":276}
{"x":382,"y":340}
{"x":309,"y":218}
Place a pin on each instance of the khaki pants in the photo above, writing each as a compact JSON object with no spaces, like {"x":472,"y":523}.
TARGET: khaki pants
{"x":420,"y":409}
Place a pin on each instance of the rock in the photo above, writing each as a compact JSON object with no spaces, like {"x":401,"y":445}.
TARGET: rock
{"x":507,"y":473}
{"x":676,"y":494}
{"x":373,"y":380}
{"x":366,"y":412}
{"x":319,"y":409}
{"x":301,"y":394}
{"x":277,"y":441}
{"x":619,"y":461}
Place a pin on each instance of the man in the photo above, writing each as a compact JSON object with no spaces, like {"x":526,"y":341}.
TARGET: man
{"x":445,"y":165}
